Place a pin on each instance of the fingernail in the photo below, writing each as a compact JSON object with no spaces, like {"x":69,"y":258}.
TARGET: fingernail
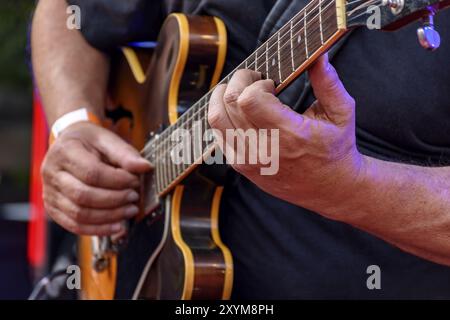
{"x":116,"y":227}
{"x":133,"y":196}
{"x":144,"y":161}
{"x":131,"y":211}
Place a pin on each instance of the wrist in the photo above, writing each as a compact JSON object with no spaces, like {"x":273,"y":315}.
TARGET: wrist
{"x":69,"y":119}
{"x":342,"y":194}
{"x":354,"y":194}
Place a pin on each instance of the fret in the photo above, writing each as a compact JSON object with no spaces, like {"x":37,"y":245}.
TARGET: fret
{"x":159,"y":173}
{"x":291,"y":39}
{"x":173,"y":166}
{"x":267,"y":59}
{"x":285,"y":62}
{"x":305,"y":35}
{"x":205,"y":115}
{"x":181,"y":166}
{"x":166,"y":156}
{"x":228,"y":78}
{"x":330,"y":24}
{"x":312,"y":31}
{"x":279,"y":56}
{"x":178,"y":167}
{"x":299,"y":56}
{"x":197,"y":137}
{"x":163,"y":165}
{"x":320,"y":21}
{"x":205,"y":127}
{"x":274,"y":72}
{"x":262,"y":61}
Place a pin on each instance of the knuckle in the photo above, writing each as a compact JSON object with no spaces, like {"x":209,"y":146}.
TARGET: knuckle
{"x":46,"y":198}
{"x":57,"y":150}
{"x":335,"y":87}
{"x":47,"y":203}
{"x":248,"y":100}
{"x":80,"y":195}
{"x":45,"y":172}
{"x":77,"y":213}
{"x":241,"y":73}
{"x":91,"y":175}
{"x":214,"y":117}
{"x":231,"y":97}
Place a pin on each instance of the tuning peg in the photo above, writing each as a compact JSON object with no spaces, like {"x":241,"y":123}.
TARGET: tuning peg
{"x":429,"y":38}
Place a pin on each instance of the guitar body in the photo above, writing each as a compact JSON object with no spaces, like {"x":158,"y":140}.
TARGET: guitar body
{"x":173,"y":249}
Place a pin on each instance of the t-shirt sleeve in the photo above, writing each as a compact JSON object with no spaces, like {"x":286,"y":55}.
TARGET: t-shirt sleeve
{"x":107,"y":24}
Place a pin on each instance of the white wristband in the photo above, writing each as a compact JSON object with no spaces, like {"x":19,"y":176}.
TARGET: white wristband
{"x":71,"y":118}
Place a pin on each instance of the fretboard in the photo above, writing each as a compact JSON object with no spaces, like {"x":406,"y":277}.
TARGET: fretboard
{"x":282,"y":58}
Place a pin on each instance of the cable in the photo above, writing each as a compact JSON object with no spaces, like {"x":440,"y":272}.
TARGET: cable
{"x":43,"y":284}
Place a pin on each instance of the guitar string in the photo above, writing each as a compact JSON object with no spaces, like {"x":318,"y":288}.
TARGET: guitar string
{"x":162,"y":135}
{"x":362,"y":5}
{"x":167,"y":170}
{"x":174,"y":168}
{"x":287,"y":25}
{"x":271,"y":38}
{"x":285,"y":56}
{"x":202,"y":107}
{"x":162,"y":144}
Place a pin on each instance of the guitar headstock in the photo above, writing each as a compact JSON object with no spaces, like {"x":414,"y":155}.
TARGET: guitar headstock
{"x":393,"y":14}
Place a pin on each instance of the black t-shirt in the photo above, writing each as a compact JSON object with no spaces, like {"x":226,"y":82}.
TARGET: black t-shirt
{"x":403,"y":113}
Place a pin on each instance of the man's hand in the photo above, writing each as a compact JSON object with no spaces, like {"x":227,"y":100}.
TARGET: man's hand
{"x":321,"y":169}
{"x":90,"y":178}
{"x":318,"y":154}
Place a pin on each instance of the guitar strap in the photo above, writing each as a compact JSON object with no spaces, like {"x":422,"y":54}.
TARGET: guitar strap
{"x":297,"y":93}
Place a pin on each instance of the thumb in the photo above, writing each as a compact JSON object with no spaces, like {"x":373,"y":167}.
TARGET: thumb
{"x":330,"y":92}
{"x":260,"y":105}
{"x":120,"y":153}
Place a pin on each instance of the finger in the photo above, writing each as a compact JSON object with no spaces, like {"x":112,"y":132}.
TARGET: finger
{"x":83,"y":229}
{"x":217,"y":116}
{"x":93,"y":216}
{"x":330,"y":92}
{"x":88,"y":168}
{"x":240,"y":80}
{"x":92,"y":197}
{"x":120,"y":153}
{"x":219,"y":120}
{"x":265,"y":110}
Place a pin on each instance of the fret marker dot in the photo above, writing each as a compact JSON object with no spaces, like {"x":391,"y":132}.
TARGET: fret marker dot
{"x":274,"y":62}
{"x":299,"y":39}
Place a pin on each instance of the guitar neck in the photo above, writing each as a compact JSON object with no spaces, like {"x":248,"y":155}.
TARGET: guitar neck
{"x":282,"y":58}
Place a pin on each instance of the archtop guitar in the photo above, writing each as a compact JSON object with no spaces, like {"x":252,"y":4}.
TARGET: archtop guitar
{"x":173,"y":249}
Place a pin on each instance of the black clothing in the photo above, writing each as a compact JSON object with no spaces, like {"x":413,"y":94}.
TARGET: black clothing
{"x":403,"y":114}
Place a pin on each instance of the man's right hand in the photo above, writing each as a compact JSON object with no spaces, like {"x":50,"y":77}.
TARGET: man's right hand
{"x":91,"y":177}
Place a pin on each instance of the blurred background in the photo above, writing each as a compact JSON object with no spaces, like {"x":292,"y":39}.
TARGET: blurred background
{"x":16,"y":118}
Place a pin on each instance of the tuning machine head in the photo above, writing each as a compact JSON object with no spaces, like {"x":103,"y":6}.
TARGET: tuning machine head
{"x":428,"y":37}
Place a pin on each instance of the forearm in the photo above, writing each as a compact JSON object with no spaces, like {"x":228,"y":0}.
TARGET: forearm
{"x":70,"y":74}
{"x":408,"y":206}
